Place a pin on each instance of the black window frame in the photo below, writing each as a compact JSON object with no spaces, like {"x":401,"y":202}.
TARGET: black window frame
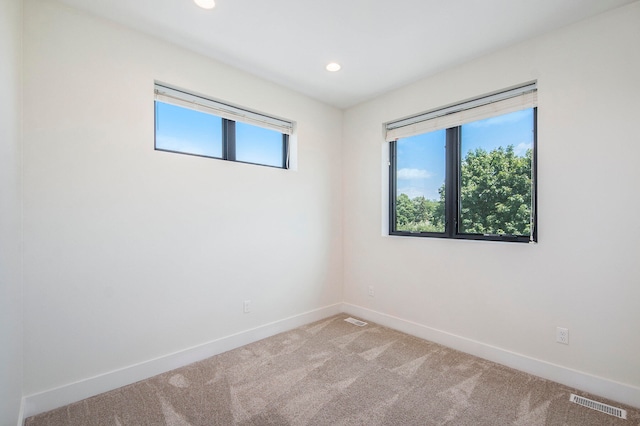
{"x":452,"y":192}
{"x":228,"y":130}
{"x":229,"y":146}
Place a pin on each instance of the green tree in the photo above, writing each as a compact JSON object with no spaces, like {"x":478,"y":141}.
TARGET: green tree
{"x":405,"y":211}
{"x":418,"y":214}
{"x":438,"y":211}
{"x":495,"y":192}
{"x":495,"y":195}
{"x":421,"y":211}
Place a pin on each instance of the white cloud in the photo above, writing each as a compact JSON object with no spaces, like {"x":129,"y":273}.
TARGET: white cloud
{"x":414,"y":192}
{"x":522,"y":147}
{"x":411,"y":174}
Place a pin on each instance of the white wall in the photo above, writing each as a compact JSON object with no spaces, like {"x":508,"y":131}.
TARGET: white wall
{"x":132,"y":254}
{"x":10,"y":212}
{"x":584,"y":273}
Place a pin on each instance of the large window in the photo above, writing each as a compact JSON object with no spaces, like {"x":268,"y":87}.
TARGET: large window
{"x":467,"y":170}
{"x":190,"y":124}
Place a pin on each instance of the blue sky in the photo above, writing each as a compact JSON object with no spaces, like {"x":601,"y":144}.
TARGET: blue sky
{"x":194,"y":132}
{"x":421,"y":158}
{"x":258,"y":145}
{"x":185,"y":130}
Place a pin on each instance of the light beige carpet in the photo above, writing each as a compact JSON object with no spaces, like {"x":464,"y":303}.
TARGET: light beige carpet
{"x":335,"y":373}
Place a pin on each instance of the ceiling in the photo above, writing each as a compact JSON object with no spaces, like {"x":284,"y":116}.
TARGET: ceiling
{"x":381,"y":45}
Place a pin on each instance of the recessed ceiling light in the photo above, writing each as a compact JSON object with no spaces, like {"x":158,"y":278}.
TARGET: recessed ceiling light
{"x":206,"y":4}
{"x":333,"y":67}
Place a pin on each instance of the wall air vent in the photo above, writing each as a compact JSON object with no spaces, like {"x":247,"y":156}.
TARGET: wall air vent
{"x":599,"y":406}
{"x":356,"y":322}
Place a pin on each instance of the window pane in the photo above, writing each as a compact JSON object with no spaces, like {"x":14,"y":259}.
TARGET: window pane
{"x":420,"y":175}
{"x":495,"y":175}
{"x":258,"y":145}
{"x":185,"y":130}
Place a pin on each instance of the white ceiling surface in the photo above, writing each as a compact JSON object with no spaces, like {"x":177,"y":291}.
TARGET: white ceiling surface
{"x":381,"y":45}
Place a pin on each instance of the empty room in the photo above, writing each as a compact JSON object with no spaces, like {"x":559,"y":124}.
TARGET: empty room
{"x":316,"y":213}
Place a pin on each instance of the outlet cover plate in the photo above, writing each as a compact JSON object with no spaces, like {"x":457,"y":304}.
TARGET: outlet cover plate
{"x":562,"y":335}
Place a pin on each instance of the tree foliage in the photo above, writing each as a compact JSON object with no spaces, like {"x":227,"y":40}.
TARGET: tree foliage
{"x":419,"y":214}
{"x":495,"y":193}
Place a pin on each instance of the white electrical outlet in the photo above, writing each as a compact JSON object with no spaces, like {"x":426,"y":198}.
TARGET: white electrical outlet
{"x":372,"y":292}
{"x":562,"y":335}
{"x":247,"y":306}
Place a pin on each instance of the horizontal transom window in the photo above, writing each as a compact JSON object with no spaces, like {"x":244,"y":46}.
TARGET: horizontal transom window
{"x":186,"y":123}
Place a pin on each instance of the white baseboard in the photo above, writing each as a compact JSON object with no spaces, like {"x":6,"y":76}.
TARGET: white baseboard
{"x":615,"y":391}
{"x":67,"y":394}
{"x":72,"y":392}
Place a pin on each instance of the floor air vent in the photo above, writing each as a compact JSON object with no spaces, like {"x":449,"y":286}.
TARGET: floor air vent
{"x":599,"y":406}
{"x":356,"y":322}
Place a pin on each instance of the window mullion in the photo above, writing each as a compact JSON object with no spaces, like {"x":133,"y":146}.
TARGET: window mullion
{"x":534,"y":179}
{"x":452,"y":181}
{"x":392,"y":186}
{"x":285,"y":151}
{"x":229,"y":139}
